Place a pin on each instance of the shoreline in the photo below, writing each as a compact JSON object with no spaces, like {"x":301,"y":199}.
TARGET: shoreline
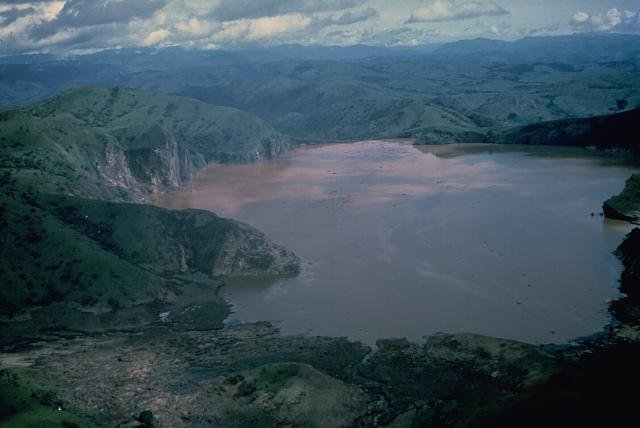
{"x":385,"y":378}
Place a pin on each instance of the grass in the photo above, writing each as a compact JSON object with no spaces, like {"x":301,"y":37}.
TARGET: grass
{"x":626,"y":205}
{"x":217,"y":133}
{"x":25,"y":405}
{"x":73,"y":255}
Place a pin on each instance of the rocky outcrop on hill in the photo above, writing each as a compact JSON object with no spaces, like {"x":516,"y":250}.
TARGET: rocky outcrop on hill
{"x":76,"y":256}
{"x":626,"y":205}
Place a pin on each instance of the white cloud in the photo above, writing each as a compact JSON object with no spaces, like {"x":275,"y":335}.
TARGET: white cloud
{"x":612,"y":20}
{"x":194,"y":27}
{"x":14,"y":32}
{"x":350,"y":17}
{"x":269,"y":27}
{"x":450,"y":10}
{"x":65,"y":25}
{"x":156,"y":37}
{"x":402,"y":36}
{"x":581,"y":17}
{"x":231,"y":10}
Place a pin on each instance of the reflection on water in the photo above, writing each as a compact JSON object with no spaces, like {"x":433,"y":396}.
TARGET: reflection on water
{"x":405,"y":242}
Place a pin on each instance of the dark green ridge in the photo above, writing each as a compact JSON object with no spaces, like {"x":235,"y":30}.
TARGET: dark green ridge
{"x":73,"y":257}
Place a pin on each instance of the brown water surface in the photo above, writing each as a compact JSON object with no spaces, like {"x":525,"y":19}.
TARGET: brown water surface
{"x":399,"y":241}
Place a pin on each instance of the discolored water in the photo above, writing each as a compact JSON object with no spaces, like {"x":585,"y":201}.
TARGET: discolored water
{"x":405,"y":242}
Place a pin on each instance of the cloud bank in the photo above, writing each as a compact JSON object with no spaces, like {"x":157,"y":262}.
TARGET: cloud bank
{"x":613,"y":19}
{"x":64,"y":25}
{"x":75,"y":26}
{"x":230,"y":10}
{"x":450,"y":10}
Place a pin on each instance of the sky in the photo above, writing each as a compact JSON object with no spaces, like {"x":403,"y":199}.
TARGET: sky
{"x":76,"y":26}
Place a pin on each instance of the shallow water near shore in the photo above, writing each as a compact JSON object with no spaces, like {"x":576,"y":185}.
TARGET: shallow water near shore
{"x":405,"y":241}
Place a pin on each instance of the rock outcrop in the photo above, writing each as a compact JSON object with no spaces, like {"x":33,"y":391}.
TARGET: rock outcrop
{"x":78,"y":255}
{"x":626,"y":205}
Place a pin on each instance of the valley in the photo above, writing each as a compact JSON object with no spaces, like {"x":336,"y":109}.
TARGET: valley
{"x":299,"y":236}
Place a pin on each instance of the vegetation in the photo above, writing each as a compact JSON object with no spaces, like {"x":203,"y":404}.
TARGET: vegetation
{"x":626,"y":205}
{"x":25,"y":405}
{"x":78,"y":259}
{"x":444,"y":94}
{"x":73,"y":257}
{"x":614,"y":131}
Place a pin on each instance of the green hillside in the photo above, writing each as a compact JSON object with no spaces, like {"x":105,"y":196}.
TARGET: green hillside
{"x":75,"y":257}
{"x":613,"y":131}
{"x":217,"y":133}
{"x":89,"y":265}
{"x":626,"y":205}
{"x":384,"y":118}
{"x":122,"y":144}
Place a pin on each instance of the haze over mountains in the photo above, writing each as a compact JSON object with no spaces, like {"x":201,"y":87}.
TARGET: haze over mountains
{"x":366,"y":92}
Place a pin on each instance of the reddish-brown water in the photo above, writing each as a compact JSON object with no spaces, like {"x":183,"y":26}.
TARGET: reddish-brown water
{"x":403,"y":242}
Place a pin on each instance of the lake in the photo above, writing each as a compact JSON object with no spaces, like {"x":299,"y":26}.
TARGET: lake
{"x":405,"y":241}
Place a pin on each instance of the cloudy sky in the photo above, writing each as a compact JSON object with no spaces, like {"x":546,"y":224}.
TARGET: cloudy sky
{"x":64,"y":26}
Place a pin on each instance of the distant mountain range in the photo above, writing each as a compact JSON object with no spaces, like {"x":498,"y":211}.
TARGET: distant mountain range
{"x":580,"y":46}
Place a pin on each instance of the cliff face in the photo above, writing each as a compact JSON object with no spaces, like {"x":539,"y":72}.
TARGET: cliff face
{"x":75,"y":255}
{"x":124,"y":145}
{"x":129,"y":144}
{"x":155,"y":159}
{"x":246,"y":251}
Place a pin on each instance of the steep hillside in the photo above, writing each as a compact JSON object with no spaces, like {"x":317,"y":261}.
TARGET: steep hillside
{"x":89,"y":265}
{"x":615,"y":131}
{"x":626,"y":205}
{"x":300,"y":89}
{"x":75,"y":257}
{"x":216,"y":133}
{"x":384,"y":118}
{"x":122,"y":144}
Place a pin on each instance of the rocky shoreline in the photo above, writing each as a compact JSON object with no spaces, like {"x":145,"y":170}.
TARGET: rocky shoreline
{"x":250,"y":374}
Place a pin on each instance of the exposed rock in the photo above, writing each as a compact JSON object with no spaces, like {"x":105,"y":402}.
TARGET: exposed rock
{"x":303,"y":395}
{"x":246,"y":251}
{"x":78,"y":259}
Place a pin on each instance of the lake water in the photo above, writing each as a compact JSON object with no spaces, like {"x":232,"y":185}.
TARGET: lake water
{"x":400,"y":241}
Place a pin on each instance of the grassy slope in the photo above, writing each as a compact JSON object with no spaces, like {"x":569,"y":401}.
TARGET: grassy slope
{"x":54,"y":156}
{"x":499,"y":89}
{"x":383,"y":118}
{"x":72,"y":260}
{"x":217,"y":133}
{"x":120,"y":144}
{"x":79,"y":264}
{"x":24,"y":405}
{"x":617,"y":130}
{"x":626,"y":205}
